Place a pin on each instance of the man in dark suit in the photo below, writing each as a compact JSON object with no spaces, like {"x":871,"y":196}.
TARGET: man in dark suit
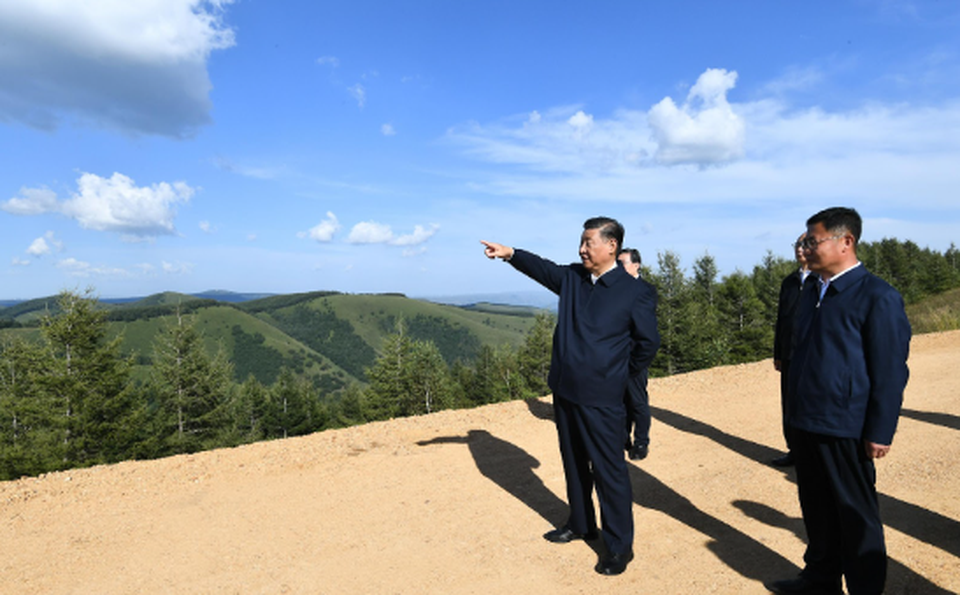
{"x":847,"y":377}
{"x":783,"y":337}
{"x":602,"y":314}
{"x":636,"y":398}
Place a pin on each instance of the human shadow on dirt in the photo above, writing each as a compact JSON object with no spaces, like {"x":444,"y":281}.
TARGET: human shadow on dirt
{"x":925,"y":525}
{"x":900,"y":579}
{"x":736,"y":549}
{"x":752,"y":450}
{"x":511,"y":468}
{"x":539,"y":409}
{"x":946,"y":420}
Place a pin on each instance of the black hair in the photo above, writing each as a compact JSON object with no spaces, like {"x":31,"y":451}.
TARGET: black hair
{"x":634,"y":255}
{"x":610,"y":229}
{"x":837,"y":219}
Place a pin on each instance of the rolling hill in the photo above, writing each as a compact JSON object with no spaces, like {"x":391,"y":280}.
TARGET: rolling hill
{"x":329,"y":337}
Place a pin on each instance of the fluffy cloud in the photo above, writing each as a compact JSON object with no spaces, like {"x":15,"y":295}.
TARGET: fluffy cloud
{"x":420,"y":235}
{"x":323,"y":231}
{"x":32,"y":201}
{"x":704,"y":130}
{"x":388,"y":130}
{"x":44,"y":245}
{"x":140,"y":67}
{"x":116,"y":204}
{"x":371,"y":232}
{"x":110,"y":204}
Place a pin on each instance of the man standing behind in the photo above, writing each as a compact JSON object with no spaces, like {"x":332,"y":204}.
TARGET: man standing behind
{"x":847,"y":377}
{"x":602,"y":314}
{"x":636,"y":398}
{"x":783,"y":337}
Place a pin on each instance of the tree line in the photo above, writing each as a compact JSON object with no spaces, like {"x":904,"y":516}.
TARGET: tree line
{"x":70,"y":399}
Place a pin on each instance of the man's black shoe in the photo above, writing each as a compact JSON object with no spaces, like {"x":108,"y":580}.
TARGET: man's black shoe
{"x":638,"y":452}
{"x":613,"y":564}
{"x":783,"y":461}
{"x":565,"y":535}
{"x":803,"y":586}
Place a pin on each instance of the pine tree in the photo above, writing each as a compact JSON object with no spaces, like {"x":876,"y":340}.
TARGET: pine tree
{"x":29,"y":442}
{"x":673,"y":294}
{"x":535,"y":353}
{"x":190,"y":387}
{"x":89,"y":380}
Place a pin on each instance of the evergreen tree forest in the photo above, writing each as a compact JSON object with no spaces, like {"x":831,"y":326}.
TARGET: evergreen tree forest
{"x":70,"y":399}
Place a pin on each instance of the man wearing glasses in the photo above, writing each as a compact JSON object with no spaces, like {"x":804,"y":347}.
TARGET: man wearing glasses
{"x":846,"y":382}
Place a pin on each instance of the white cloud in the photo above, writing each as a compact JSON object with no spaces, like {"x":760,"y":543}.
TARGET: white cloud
{"x":370,"y":232}
{"x":21,"y":262}
{"x":388,"y":130}
{"x":420,"y":235}
{"x":32,"y":201}
{"x":877,"y":154}
{"x":176,"y":268}
{"x":359,"y":93}
{"x":140,"y":67}
{"x":704,"y":130}
{"x":110,"y":204}
{"x":44,"y":245}
{"x":116,"y":204}
{"x":79,"y":268}
{"x":38,"y":247}
{"x":251,"y":237}
{"x":323,"y":231}
{"x":205,"y":227}
{"x":331,"y":61}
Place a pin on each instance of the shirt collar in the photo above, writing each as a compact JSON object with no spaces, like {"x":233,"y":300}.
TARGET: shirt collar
{"x":838,"y":275}
{"x":595,"y":278}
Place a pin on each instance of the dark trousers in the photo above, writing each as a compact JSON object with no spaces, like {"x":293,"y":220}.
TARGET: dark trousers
{"x":838,"y":497}
{"x":784,"y":402}
{"x":591,"y":448}
{"x":638,"y":409}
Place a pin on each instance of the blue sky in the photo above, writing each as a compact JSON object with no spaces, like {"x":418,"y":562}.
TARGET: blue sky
{"x":363,"y":146}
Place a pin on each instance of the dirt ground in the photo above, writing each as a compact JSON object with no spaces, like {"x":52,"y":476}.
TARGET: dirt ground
{"x":456,"y":502}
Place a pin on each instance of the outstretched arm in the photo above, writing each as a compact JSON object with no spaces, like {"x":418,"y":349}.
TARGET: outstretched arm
{"x":494,"y":250}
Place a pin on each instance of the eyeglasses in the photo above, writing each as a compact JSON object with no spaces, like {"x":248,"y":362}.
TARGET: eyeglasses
{"x":812,"y":243}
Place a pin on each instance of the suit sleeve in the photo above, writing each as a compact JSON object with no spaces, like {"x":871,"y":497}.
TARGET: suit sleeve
{"x":646,"y":337}
{"x":778,"y":329}
{"x":886,"y":348}
{"x":541,"y":270}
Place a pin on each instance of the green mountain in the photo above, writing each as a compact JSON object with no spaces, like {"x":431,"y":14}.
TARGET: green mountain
{"x":331,"y":338}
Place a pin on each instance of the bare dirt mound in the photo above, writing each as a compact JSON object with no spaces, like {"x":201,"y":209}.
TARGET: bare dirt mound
{"x":456,"y":502}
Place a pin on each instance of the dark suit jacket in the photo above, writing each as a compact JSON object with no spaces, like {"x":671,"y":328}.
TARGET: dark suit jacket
{"x":786,"y":306}
{"x":597,"y":328}
{"x":849,"y":365}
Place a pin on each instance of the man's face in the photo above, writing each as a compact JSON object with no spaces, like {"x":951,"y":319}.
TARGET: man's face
{"x":628,"y":265}
{"x":827,"y":254}
{"x":596,"y":254}
{"x":798,"y":250}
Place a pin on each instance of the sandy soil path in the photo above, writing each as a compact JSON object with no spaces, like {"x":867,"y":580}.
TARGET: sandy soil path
{"x":456,"y":502}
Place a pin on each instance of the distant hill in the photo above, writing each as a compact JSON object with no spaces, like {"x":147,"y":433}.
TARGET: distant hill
{"x":540,"y":298}
{"x":329,"y":337}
